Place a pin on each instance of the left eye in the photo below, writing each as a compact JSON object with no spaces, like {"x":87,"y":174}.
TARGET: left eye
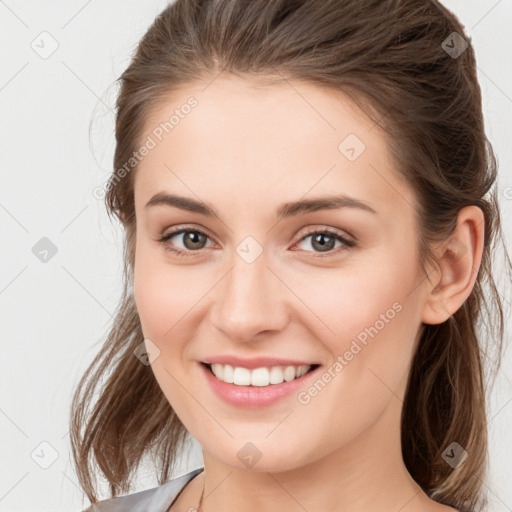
{"x":325,"y":240}
{"x":193,"y":240}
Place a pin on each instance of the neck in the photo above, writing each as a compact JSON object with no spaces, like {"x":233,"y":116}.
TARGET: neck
{"x":367,"y":474}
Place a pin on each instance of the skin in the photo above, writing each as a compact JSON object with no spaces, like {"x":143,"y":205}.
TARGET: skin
{"x":245,"y":151}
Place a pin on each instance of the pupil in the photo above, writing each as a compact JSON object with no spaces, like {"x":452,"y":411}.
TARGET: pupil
{"x":194,"y":238}
{"x":323,"y":246}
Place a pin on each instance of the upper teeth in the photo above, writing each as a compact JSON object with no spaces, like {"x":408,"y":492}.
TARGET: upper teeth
{"x":259,"y":376}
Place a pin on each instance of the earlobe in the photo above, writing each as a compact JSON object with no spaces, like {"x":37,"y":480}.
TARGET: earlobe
{"x":459,"y":259}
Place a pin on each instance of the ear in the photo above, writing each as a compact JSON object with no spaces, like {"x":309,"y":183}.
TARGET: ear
{"x":459,"y":259}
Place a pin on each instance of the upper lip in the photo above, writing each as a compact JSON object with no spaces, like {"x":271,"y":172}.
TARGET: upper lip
{"x":255,"y":362}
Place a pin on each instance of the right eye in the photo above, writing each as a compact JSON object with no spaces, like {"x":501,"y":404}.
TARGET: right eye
{"x":191,"y":237}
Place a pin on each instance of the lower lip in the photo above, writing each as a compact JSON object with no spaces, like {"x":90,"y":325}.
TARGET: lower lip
{"x":254,"y":396}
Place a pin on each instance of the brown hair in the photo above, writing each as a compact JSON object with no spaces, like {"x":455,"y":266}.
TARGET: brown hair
{"x":387,"y":56}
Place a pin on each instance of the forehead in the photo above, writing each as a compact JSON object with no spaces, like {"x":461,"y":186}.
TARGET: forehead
{"x":271,"y":142}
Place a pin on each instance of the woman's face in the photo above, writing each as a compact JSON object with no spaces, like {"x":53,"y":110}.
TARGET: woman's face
{"x":266,"y":276}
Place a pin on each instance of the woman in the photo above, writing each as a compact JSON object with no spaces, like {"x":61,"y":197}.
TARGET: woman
{"x":306,"y":191}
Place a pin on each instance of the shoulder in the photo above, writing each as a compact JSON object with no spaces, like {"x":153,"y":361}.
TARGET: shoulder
{"x":156,"y":499}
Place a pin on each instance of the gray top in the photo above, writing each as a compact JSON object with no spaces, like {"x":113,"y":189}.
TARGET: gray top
{"x":157,"y":499}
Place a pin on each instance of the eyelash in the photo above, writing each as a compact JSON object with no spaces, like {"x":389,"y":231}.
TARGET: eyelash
{"x":181,"y":253}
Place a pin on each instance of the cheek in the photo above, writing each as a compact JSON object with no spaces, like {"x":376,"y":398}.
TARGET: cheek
{"x":159,"y":294}
{"x":367,"y":312}
{"x":372,"y":322}
{"x":357,"y":296}
{"x":168,"y":297}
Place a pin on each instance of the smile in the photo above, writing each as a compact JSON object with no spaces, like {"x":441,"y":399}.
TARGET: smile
{"x":257,"y":387}
{"x":261,"y":377}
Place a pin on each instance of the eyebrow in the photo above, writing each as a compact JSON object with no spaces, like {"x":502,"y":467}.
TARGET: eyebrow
{"x":288,"y":209}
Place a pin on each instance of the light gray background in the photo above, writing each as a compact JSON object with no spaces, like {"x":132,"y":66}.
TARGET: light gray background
{"x":56,"y":314}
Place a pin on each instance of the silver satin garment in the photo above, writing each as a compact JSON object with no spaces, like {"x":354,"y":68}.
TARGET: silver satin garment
{"x":157,"y":499}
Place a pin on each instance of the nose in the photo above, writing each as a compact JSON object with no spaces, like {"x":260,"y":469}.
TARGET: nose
{"x":250,"y":301}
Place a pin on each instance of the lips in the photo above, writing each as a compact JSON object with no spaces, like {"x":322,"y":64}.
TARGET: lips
{"x":249,"y":396}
